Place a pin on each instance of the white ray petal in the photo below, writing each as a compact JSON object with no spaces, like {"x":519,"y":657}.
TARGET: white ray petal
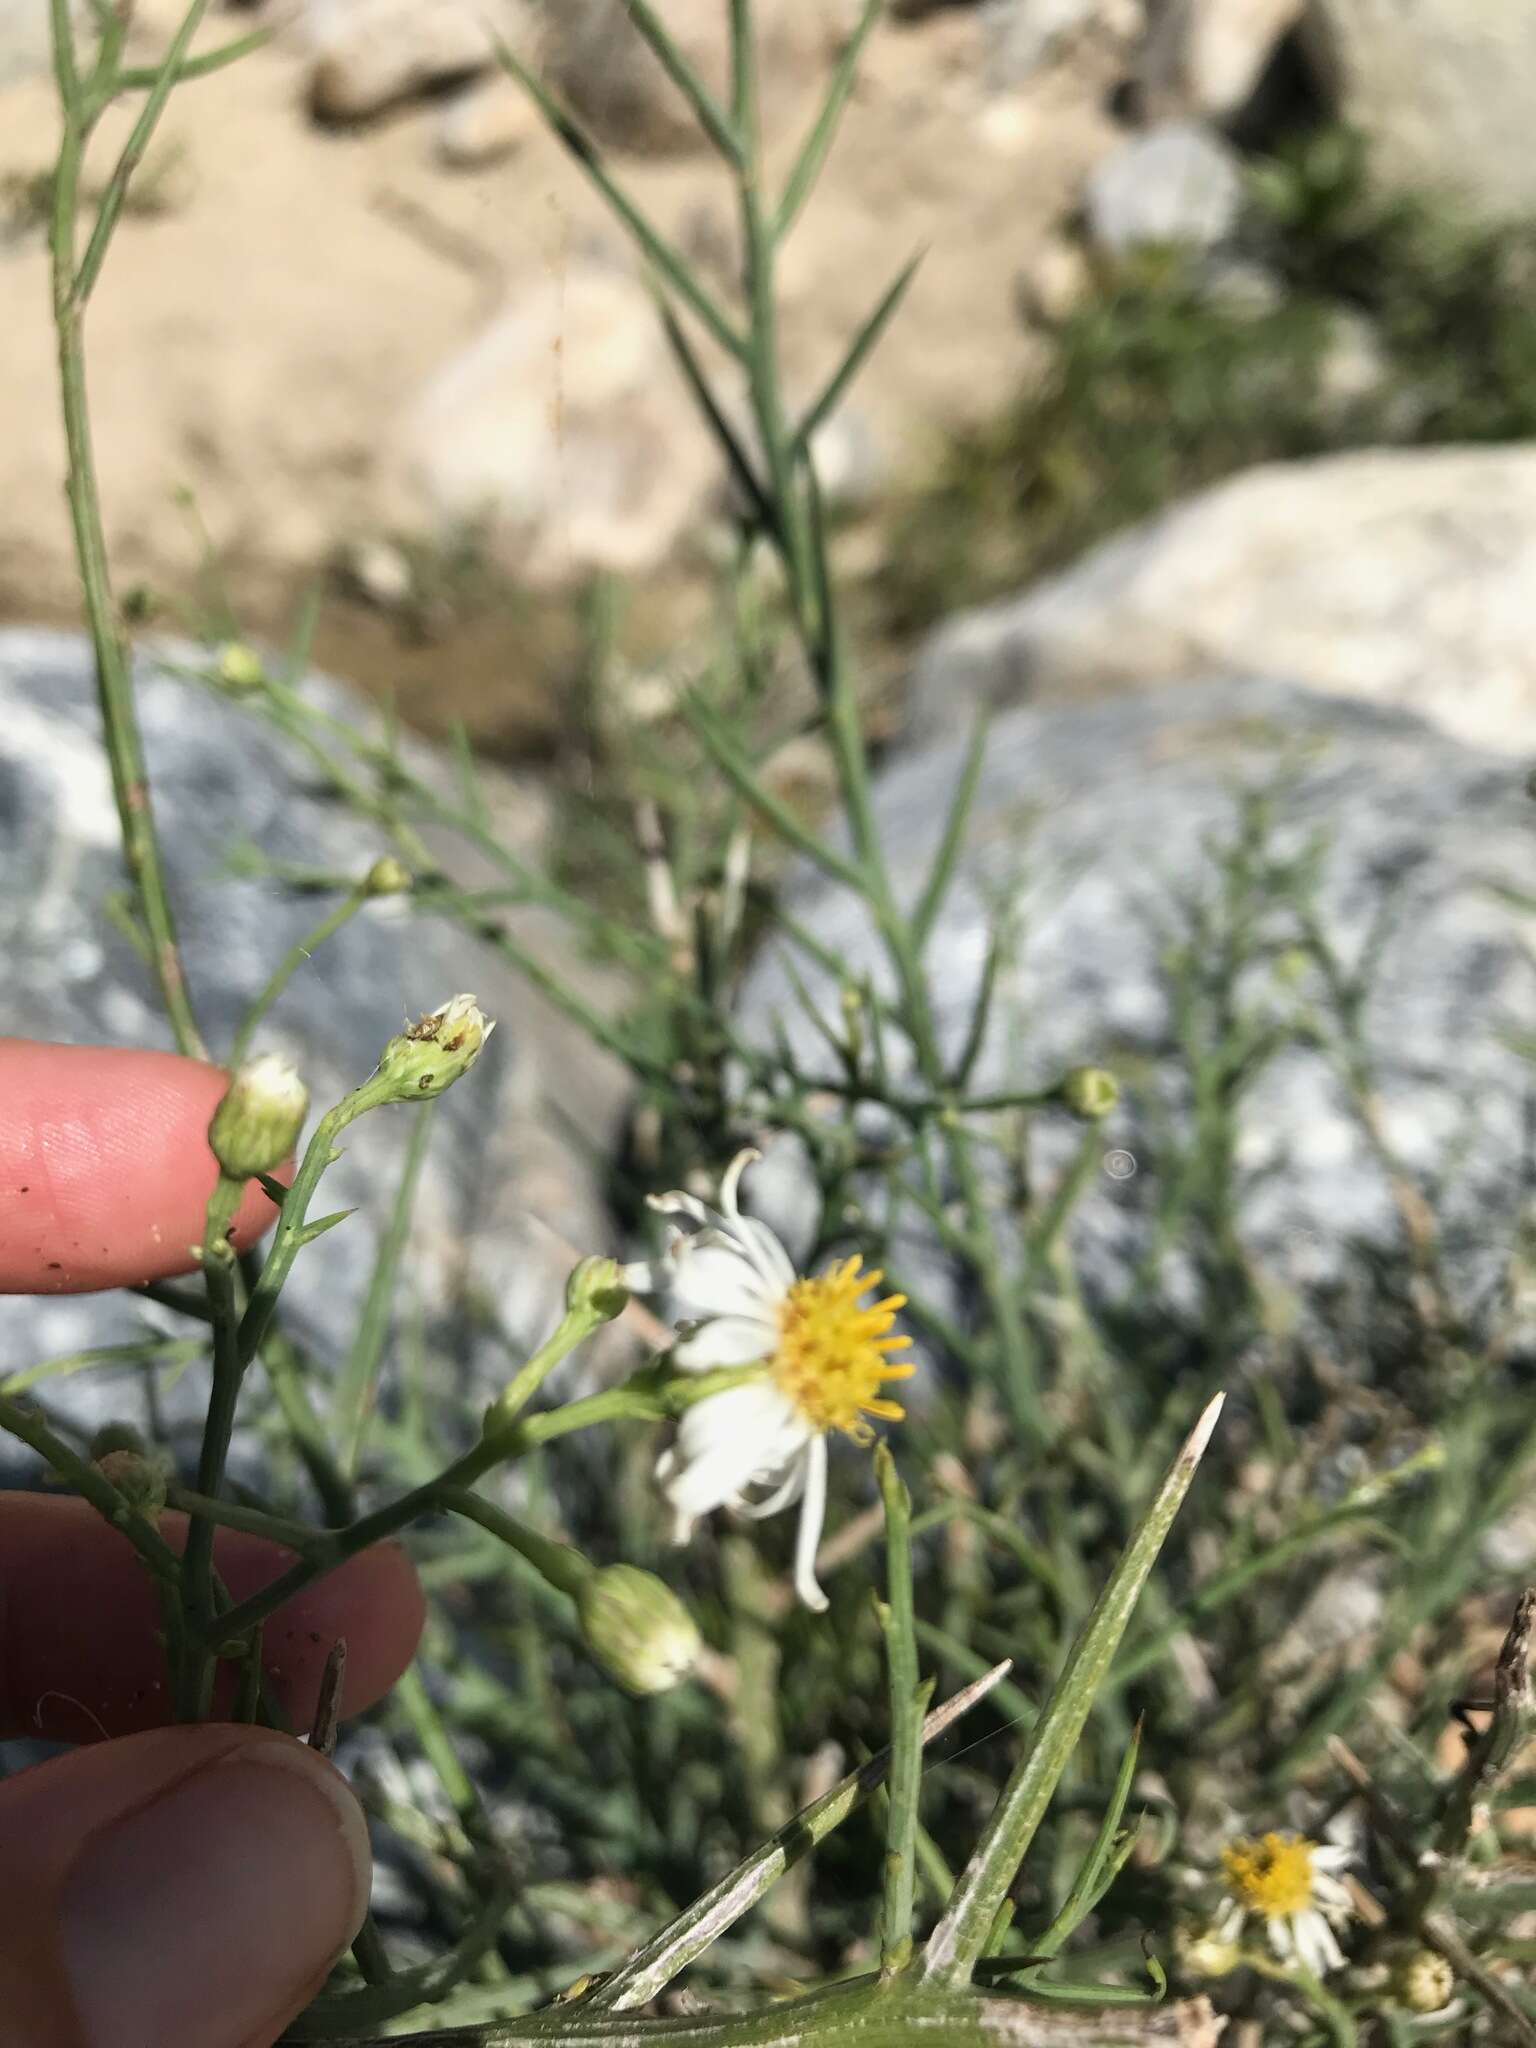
{"x":813,"y":1513}
{"x":716,"y":1280}
{"x":726,"y":1340}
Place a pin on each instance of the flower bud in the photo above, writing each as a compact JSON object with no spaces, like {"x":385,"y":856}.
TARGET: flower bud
{"x":638,"y":1629}
{"x":388,"y":877}
{"x":597,"y":1287}
{"x":240,"y":668}
{"x":257,"y":1123}
{"x":1424,"y":1981}
{"x":138,"y":1479}
{"x":430,"y":1055}
{"x":1089,"y":1092}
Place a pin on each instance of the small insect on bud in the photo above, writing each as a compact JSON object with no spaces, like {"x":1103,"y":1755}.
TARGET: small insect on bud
{"x":388,"y":877}
{"x":1424,"y":1981}
{"x":139,"y":1479}
{"x":240,"y":668}
{"x":257,"y":1123}
{"x":638,"y":1629}
{"x":431,"y":1054}
{"x":596,"y":1287}
{"x":1089,"y":1092}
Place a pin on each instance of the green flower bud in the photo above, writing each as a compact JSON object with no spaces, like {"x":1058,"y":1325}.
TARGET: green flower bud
{"x":257,"y":1123}
{"x":240,"y":668}
{"x":138,"y":1479}
{"x":1089,"y":1092}
{"x":430,"y":1055}
{"x":638,"y":1629}
{"x":389,"y":877}
{"x":597,"y":1286}
{"x":1424,"y":1981}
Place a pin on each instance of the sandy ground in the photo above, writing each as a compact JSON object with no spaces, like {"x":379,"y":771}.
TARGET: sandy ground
{"x":286,"y":290}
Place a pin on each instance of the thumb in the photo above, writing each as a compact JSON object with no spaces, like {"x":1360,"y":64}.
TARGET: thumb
{"x":188,"y":1887}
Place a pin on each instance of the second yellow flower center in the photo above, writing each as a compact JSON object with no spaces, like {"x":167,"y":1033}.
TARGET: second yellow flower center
{"x":1271,"y":1876}
{"x":833,"y":1356}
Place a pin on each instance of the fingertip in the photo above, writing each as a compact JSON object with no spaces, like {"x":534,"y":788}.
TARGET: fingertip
{"x":105,"y":1170}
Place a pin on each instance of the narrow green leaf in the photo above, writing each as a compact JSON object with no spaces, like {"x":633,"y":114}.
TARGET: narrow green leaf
{"x":709,"y":113}
{"x":322,"y":1224}
{"x":817,"y":144}
{"x":853,"y":361}
{"x":942,"y":873}
{"x":1101,"y":1865}
{"x":981,"y":1013}
{"x":142,"y":78}
{"x":672,"y":266}
{"x":908,"y":1700}
{"x":651,"y":1968}
{"x":960,"y":1937}
{"x":744,"y":779}
{"x":354,"y":1397}
{"x":763,"y":510}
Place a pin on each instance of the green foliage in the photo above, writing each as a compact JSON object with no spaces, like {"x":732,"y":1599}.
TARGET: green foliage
{"x":1165,"y":1664}
{"x":1173,"y":373}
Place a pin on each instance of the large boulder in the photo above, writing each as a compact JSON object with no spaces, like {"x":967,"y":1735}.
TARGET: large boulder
{"x":505,"y":1198}
{"x":1442,"y":90}
{"x":1406,"y":578}
{"x":1103,"y":830}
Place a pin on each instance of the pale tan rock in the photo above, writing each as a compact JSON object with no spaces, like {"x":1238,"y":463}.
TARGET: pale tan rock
{"x":1405,"y":578}
{"x":1442,"y":90}
{"x":561,"y":435}
{"x":371,"y":53}
{"x":489,"y":120}
{"x":1227,"y":45}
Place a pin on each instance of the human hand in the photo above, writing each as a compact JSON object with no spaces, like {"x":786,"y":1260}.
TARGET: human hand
{"x":165,"y":1887}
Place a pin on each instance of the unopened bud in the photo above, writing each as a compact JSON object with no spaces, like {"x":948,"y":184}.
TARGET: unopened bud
{"x":431,"y":1054}
{"x":240,"y":668}
{"x":638,"y":1629}
{"x":257,"y":1123}
{"x":388,"y":877}
{"x":1424,"y":1981}
{"x":1089,"y":1092}
{"x":138,"y":1479}
{"x":597,"y":1287}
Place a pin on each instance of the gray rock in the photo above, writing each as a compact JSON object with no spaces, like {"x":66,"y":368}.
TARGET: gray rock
{"x":1177,"y":183}
{"x":1404,"y":577}
{"x":504,"y":1192}
{"x":1095,"y":827}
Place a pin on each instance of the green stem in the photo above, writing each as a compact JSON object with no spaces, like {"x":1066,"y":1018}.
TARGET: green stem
{"x":558,"y":1564}
{"x":289,"y":965}
{"x":114,"y":678}
{"x":909,"y":1698}
{"x":195,"y":1679}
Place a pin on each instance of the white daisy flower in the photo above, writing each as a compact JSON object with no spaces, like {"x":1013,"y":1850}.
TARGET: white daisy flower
{"x":1290,"y":1884}
{"x":824,"y":1351}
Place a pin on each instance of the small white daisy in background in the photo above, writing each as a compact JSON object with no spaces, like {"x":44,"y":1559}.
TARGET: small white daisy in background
{"x":825,"y":1354}
{"x":1290,"y":1884}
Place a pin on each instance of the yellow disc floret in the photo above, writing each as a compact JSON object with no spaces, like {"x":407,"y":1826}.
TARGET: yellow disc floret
{"x":1271,"y":1876}
{"x":833,"y":1350}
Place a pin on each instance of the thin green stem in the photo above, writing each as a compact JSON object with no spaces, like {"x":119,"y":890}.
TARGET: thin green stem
{"x":195,"y":1679}
{"x":909,"y":1698}
{"x":289,"y":965}
{"x":114,"y":679}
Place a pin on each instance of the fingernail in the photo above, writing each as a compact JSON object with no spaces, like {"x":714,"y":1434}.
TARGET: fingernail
{"x":214,"y":1911}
